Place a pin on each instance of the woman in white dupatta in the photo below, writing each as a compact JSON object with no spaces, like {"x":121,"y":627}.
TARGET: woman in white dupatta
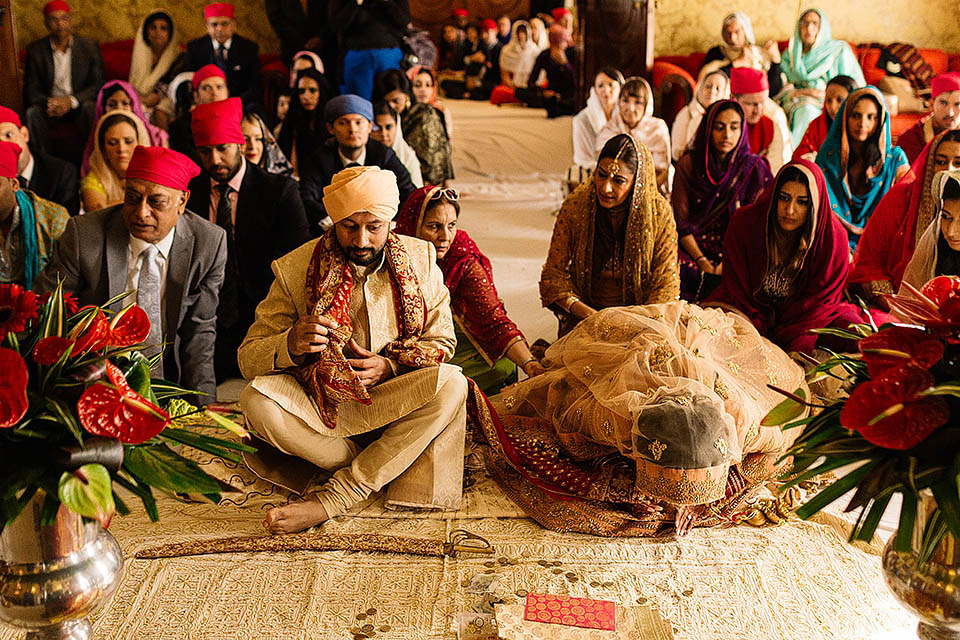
{"x":518,"y":56}
{"x":390,"y":133}
{"x":156,"y":48}
{"x":713,"y":86}
{"x":601,"y":105}
{"x":938,"y":250}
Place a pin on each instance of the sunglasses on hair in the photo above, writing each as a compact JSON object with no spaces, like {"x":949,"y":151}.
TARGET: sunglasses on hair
{"x":449,"y":193}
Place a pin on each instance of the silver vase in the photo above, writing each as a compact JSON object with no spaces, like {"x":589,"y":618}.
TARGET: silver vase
{"x":53,"y":577}
{"x":930,"y":591}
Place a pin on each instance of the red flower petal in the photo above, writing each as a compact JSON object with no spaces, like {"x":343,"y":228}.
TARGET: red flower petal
{"x":48,"y":350}
{"x":18,"y":306}
{"x":900,"y":346}
{"x":129,"y":327}
{"x":116,"y":411}
{"x":941,"y":288}
{"x":95,"y":337}
{"x":912,"y":417}
{"x":13,"y":388}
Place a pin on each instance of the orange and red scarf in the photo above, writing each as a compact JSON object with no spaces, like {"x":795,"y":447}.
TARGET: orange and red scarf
{"x":326,"y":376}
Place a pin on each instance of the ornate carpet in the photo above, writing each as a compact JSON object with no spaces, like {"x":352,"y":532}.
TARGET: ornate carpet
{"x":798,"y":580}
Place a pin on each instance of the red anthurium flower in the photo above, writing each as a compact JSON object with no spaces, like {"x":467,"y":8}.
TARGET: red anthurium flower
{"x":18,"y":306}
{"x":13,"y":388}
{"x":117,"y":411}
{"x":890,"y":412}
{"x":48,"y":350}
{"x":898,"y":347}
{"x":941,"y":289}
{"x":95,"y":337}
{"x":129,"y":327}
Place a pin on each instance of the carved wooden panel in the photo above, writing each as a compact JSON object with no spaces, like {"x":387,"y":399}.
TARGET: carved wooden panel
{"x":618,"y":33}
{"x":9,"y":82}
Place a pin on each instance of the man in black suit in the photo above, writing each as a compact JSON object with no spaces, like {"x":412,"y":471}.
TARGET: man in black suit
{"x":48,"y":177}
{"x":303,"y":26}
{"x":238,"y":57}
{"x":349,"y":119}
{"x":261,"y":213}
{"x":61,"y":77}
{"x":173,"y":258}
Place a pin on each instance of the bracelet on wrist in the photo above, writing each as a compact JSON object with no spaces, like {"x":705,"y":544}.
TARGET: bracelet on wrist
{"x":701,"y":257}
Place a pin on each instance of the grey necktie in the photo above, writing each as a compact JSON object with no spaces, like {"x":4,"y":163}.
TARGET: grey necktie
{"x":148,"y":298}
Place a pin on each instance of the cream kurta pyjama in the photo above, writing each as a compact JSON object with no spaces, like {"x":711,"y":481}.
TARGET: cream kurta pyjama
{"x":422,"y":412}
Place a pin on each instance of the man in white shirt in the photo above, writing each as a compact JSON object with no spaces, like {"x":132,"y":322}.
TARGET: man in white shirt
{"x":172,"y":259}
{"x":62,"y":75}
{"x":238,"y":57}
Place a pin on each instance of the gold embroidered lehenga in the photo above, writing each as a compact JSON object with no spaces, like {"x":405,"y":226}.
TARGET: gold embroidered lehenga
{"x":653,"y":406}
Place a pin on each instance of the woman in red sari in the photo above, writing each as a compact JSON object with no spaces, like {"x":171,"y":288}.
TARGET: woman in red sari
{"x":490,"y":347}
{"x":891,"y":235}
{"x":785,"y":261}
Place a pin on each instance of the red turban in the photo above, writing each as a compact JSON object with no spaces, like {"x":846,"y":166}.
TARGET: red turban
{"x":746,"y":80}
{"x":945,"y":82}
{"x":488,"y":25}
{"x":9,"y":154}
{"x":207,"y":71}
{"x":559,"y":13}
{"x":55,"y":5}
{"x":460,"y":13}
{"x":165,"y":167}
{"x":218,"y":10}
{"x":9,"y":115}
{"x":217,"y":123}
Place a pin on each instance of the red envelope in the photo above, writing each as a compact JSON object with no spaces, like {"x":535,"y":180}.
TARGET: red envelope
{"x":572,"y":612}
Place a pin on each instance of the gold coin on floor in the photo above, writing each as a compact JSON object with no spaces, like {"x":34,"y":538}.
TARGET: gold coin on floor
{"x":522,"y":593}
{"x":594,"y":583}
{"x":465,"y":582}
{"x":502,"y":560}
{"x":489,"y":571}
{"x":490,"y":564}
{"x":572,"y":578}
{"x":688,"y":592}
{"x":384,"y":628}
{"x":557,"y":563}
{"x":367,"y":628}
{"x":607,"y":584}
{"x":361,"y":616}
{"x":641,"y":600}
{"x":544,"y":563}
{"x":371,"y":611}
{"x":556,"y":571}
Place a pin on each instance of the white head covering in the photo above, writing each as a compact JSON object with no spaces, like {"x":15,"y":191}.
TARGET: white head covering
{"x":144,"y":76}
{"x":407,"y":156}
{"x":516,"y":59}
{"x":356,"y":189}
{"x":923,"y":265}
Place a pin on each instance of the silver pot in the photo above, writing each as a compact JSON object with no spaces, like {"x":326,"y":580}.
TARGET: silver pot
{"x":930,"y":591}
{"x":52,"y":577}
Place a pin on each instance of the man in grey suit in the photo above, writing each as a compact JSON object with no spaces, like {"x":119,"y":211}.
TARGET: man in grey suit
{"x":172,"y":259}
{"x":62,"y":75}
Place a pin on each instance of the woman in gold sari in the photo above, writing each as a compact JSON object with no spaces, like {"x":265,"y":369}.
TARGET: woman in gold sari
{"x":615,"y":240}
{"x":647,"y":420}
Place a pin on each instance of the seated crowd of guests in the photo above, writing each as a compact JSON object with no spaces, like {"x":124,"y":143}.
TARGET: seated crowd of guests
{"x":261,"y":247}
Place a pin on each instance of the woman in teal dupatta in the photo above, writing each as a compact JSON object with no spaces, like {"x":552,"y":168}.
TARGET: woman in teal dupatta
{"x":858,"y":159}
{"x":811,"y":58}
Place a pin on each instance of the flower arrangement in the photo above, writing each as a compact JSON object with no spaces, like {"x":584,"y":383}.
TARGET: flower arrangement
{"x":80,"y":415}
{"x":898,"y":428}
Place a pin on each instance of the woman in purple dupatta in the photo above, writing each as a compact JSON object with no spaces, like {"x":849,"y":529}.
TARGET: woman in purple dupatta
{"x":117,"y":94}
{"x":786,"y":260}
{"x":714,"y":177}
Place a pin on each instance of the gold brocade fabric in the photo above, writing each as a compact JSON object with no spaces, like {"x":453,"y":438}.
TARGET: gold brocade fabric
{"x":650,"y":271}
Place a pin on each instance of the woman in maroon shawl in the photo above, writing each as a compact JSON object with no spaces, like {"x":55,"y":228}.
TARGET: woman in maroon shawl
{"x":892,"y":233}
{"x":490,"y":347}
{"x":717,"y":175}
{"x":786,"y":261}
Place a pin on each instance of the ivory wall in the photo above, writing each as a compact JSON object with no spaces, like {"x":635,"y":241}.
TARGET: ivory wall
{"x":683,"y":26}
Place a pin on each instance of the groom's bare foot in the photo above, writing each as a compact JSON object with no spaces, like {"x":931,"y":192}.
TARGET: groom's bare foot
{"x":295,"y":517}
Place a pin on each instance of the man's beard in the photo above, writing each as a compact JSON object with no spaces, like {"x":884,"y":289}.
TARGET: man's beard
{"x":364,"y":257}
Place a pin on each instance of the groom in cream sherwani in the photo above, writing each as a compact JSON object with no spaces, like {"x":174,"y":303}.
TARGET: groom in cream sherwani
{"x":350,"y":340}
